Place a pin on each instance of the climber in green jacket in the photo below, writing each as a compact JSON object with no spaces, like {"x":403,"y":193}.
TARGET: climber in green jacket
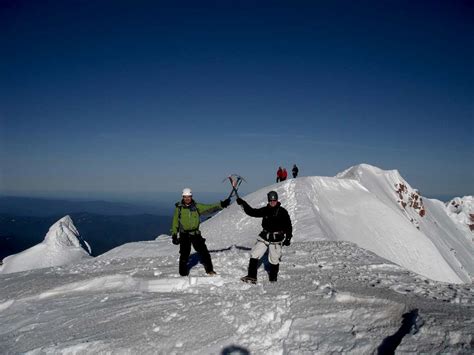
{"x":185,"y":230}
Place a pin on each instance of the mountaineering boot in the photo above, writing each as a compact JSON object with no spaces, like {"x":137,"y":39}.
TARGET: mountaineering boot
{"x":273,"y":272}
{"x":252,"y":271}
{"x":248,"y":279}
{"x":209,"y":268}
{"x":253,"y":266}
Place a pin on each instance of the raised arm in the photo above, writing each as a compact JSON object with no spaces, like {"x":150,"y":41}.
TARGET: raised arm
{"x":252,"y":212}
{"x":207,"y":209}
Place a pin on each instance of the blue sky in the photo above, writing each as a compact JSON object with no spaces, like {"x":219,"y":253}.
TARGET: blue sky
{"x":137,"y":98}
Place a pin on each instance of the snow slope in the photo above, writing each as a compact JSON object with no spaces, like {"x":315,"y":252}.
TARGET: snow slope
{"x":62,"y":245}
{"x":326,"y":208}
{"x":331,"y":297}
{"x":428,"y":216}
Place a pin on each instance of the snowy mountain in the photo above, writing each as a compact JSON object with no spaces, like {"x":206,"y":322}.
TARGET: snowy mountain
{"x":363,"y":205}
{"x":362,"y":275}
{"x":427,"y":215}
{"x":62,"y":245}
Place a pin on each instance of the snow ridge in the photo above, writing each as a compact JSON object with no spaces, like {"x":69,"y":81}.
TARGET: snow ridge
{"x":326,"y":208}
{"x":426,"y":215}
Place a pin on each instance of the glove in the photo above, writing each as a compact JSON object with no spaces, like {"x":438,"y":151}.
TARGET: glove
{"x":225,"y":203}
{"x":175,"y":239}
{"x":240,"y":201}
{"x":287,"y":241}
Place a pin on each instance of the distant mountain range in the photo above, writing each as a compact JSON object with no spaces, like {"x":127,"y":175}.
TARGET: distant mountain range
{"x":43,"y":207}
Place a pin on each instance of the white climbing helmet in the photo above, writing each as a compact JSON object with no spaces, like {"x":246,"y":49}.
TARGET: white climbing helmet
{"x":187,"y":192}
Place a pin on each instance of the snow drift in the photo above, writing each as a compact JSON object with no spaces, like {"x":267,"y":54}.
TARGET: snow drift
{"x":363,"y":205}
{"x":62,"y":245}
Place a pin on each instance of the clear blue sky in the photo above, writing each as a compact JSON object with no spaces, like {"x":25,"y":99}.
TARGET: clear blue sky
{"x":135,"y":98}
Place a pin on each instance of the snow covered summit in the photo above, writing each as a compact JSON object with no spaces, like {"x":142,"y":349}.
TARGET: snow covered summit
{"x":373,"y":208}
{"x":62,"y":245}
{"x":390,"y":187}
{"x":449,"y":236}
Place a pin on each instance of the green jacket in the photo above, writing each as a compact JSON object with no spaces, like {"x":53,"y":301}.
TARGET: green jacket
{"x":186,"y":218}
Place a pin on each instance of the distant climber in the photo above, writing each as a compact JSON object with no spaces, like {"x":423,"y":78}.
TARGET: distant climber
{"x":279,"y":174}
{"x":185,"y":230}
{"x":294,"y":171}
{"x":277,"y":232}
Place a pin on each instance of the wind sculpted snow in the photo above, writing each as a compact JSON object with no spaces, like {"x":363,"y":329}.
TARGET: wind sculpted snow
{"x":331,"y":297}
{"x":61,"y":245}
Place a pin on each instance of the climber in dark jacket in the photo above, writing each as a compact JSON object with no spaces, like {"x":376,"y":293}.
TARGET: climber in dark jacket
{"x":295,"y":171}
{"x":277,"y":231}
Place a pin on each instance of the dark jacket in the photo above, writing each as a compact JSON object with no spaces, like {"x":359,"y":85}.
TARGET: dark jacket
{"x":276,"y":220}
{"x":295,"y":171}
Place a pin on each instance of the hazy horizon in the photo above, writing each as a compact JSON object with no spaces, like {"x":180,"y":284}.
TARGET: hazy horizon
{"x":163,"y":201}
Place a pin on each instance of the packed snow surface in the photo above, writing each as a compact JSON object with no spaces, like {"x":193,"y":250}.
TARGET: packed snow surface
{"x":362,"y":275}
{"x":331,"y":296}
{"x":62,"y":245}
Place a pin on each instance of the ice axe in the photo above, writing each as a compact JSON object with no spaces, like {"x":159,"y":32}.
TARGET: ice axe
{"x":235,"y":181}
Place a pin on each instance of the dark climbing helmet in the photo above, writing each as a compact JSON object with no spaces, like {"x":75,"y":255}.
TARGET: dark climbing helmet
{"x":272,"y":196}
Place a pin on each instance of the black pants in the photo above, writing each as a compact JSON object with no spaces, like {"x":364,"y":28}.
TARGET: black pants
{"x":199,"y":244}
